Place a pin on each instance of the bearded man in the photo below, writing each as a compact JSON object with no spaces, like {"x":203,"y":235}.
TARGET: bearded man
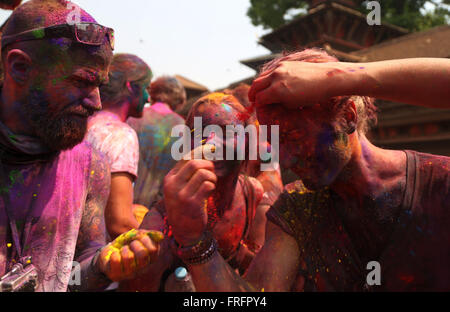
{"x":54,"y":189}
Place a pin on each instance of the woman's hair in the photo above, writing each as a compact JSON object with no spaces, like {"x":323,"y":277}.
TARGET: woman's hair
{"x":366,"y":109}
{"x":124,"y":69}
{"x":218,"y":98}
{"x":241,"y":93}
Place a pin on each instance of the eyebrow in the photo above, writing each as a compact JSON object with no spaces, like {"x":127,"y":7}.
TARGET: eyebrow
{"x":91,"y":75}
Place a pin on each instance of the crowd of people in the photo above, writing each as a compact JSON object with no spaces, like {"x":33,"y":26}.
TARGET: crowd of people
{"x":87,"y":174}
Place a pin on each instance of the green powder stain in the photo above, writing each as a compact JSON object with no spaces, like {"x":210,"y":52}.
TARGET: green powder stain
{"x":39,"y":33}
{"x":16,"y":177}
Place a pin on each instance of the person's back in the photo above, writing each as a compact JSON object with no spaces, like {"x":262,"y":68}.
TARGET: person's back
{"x":155,"y":141}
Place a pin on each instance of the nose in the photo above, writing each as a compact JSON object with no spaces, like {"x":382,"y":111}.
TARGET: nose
{"x":93,"y":101}
{"x":213,"y":139}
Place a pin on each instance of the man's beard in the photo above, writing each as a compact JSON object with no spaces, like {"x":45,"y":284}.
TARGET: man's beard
{"x":58,"y":129}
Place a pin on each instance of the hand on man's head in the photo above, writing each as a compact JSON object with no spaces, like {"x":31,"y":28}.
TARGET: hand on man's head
{"x":296,"y":84}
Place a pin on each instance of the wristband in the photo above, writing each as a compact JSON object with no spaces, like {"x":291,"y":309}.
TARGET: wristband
{"x":199,"y":253}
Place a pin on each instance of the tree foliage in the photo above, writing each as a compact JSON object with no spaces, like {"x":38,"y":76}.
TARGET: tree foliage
{"x":414,"y":15}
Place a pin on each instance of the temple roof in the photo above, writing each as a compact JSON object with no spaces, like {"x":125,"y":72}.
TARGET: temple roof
{"x":189,"y":84}
{"x":429,"y":43}
{"x":343,"y":28}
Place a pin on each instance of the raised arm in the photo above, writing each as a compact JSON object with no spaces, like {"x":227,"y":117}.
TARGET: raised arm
{"x":186,"y":188}
{"x":416,"y":81}
{"x":273,"y":269}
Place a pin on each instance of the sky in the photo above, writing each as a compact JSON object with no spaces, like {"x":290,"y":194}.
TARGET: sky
{"x":202,"y":40}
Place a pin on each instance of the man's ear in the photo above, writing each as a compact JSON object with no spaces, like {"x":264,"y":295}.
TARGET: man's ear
{"x":18,"y":65}
{"x":351,"y":117}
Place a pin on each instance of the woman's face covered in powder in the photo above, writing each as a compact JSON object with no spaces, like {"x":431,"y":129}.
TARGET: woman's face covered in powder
{"x":221,"y":115}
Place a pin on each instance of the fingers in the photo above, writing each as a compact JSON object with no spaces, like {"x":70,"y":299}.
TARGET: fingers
{"x":199,"y":177}
{"x":115,"y":267}
{"x":141,"y":254}
{"x":205,"y":190}
{"x":128,"y":261}
{"x":197,"y":155}
{"x":151,"y":246}
{"x":258,"y":85}
{"x":191,"y":167}
{"x":129,"y":253}
{"x":269,"y":96}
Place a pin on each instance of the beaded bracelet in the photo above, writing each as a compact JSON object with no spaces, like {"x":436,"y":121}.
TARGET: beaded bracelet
{"x":199,"y":253}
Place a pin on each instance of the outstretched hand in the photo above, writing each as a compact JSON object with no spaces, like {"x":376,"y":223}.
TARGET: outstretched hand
{"x":301,"y":84}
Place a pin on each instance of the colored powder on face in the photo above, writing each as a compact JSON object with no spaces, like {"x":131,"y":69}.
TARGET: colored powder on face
{"x":242,"y":116}
{"x":226,"y":107}
{"x":39,"y":33}
{"x":144,"y":100}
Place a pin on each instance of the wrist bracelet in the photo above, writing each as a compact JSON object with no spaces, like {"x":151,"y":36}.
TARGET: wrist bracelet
{"x":199,"y":253}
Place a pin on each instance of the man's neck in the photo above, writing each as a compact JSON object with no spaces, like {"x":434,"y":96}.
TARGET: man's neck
{"x":370,"y":172}
{"x":371,"y":189}
{"x":121,"y":111}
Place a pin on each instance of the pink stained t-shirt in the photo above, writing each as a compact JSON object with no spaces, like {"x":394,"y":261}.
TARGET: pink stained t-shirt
{"x":117,"y":140}
{"x":60,"y":189}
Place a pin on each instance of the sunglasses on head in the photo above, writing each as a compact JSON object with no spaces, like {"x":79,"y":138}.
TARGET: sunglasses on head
{"x":85,"y":33}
